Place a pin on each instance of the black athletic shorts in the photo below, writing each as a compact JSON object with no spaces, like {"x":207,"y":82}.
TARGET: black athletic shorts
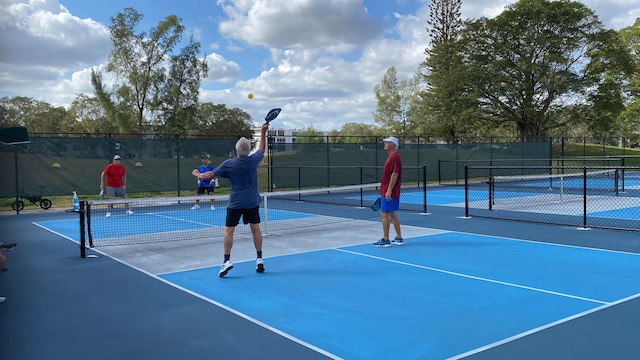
{"x":249,"y":216}
{"x":201,"y":190}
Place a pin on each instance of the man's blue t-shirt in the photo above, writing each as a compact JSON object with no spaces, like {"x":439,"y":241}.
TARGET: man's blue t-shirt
{"x":242,"y":173}
{"x":203,"y":169}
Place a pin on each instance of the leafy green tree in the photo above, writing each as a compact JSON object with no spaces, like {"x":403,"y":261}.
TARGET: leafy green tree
{"x":119,"y":114}
{"x":90,"y":115}
{"x":630,"y":116}
{"x":218,"y":120}
{"x":178,"y":98}
{"x":16,"y":110}
{"x":138,"y":60}
{"x":356,"y":133}
{"x":448,"y":100}
{"x":37,"y":116}
{"x":530,"y":61}
{"x":310,"y":135}
{"x":388,"y":96}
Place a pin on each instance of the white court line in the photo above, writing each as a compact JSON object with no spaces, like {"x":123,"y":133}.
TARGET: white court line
{"x":181,"y":219}
{"x":543,"y":327}
{"x":211,"y":301}
{"x":476,"y":277}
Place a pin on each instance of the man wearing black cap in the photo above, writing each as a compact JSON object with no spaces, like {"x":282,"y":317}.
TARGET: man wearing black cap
{"x":116,"y":181}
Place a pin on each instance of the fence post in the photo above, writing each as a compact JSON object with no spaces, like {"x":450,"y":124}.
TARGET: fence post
{"x":584,"y":196}
{"x":466,"y":191}
{"x":424,"y":188}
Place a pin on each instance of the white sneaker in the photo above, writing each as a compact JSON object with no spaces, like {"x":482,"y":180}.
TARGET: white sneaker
{"x":2,"y":299}
{"x":213,"y":207}
{"x":224,"y":269}
{"x":259,"y":265}
{"x":195,"y":207}
{"x":108,"y":214}
{"x":129,"y":212}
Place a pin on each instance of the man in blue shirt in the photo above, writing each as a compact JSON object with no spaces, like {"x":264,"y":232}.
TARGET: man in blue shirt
{"x":204,"y":184}
{"x":244,"y":197}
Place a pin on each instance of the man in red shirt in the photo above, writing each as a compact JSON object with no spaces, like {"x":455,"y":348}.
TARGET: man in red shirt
{"x":390,"y":193}
{"x":116,"y":180}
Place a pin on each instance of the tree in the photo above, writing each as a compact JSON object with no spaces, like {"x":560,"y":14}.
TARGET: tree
{"x":530,"y":61}
{"x":119,"y":115}
{"x":178,"y":98}
{"x":90,"y":115}
{"x":218,"y":120}
{"x":388,"y":109}
{"x":630,"y":117}
{"x":448,"y":100}
{"x":357,"y":133}
{"x":138,"y":61}
{"x":37,"y":116}
{"x":310,"y":135}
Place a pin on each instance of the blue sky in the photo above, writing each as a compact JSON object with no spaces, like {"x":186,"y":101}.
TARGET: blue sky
{"x":318,"y":60}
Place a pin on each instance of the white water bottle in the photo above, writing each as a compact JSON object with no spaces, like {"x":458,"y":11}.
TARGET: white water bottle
{"x":76,"y":202}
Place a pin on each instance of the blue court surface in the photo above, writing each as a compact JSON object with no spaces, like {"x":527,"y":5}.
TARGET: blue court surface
{"x":459,"y":288}
{"x":437,"y":297}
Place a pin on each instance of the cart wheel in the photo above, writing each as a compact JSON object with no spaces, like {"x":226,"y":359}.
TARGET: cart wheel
{"x":45,"y":204}
{"x":17,"y":205}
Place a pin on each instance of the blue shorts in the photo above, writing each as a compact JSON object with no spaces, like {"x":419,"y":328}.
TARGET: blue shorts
{"x":390,"y":206}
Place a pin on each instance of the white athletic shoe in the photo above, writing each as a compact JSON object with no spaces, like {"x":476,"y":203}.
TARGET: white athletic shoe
{"x":224,"y":269}
{"x":259,"y":265}
{"x":195,"y":207}
{"x":213,"y":207}
{"x":129,"y":212}
{"x":108,"y":214}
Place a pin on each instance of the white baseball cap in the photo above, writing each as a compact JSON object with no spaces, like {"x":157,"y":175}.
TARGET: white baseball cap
{"x":391,"y":139}
{"x":116,"y":157}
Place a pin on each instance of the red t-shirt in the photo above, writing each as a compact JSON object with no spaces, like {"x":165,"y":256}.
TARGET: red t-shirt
{"x":392,"y":165}
{"x":114,"y":175}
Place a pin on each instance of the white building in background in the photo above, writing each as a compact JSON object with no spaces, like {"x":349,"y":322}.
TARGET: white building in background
{"x":282,"y":136}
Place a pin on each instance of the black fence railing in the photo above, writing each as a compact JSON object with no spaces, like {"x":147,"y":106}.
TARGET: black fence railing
{"x":583,"y":196}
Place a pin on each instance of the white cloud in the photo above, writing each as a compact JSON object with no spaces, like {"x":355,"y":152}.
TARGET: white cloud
{"x":338,"y":25}
{"x":221,"y":69}
{"x":324,"y":57}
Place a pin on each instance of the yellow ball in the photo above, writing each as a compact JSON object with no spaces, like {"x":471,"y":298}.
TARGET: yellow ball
{"x":250,"y":96}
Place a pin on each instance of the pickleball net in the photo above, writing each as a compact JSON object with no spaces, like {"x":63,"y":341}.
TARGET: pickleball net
{"x":554,"y":187}
{"x":166,"y":219}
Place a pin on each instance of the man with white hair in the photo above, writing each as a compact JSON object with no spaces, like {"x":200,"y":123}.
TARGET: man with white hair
{"x":390,"y":194}
{"x":244,"y":197}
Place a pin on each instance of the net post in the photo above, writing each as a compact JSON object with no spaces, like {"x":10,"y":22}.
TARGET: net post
{"x":615,"y":181}
{"x":466,"y":190}
{"x":266,"y":215}
{"x":83,"y":250}
{"x":87,"y":211}
{"x":299,"y":183}
{"x":491,"y":192}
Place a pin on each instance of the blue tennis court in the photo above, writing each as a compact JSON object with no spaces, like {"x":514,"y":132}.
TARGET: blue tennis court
{"x":460,"y":288}
{"x":436,"y":297}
